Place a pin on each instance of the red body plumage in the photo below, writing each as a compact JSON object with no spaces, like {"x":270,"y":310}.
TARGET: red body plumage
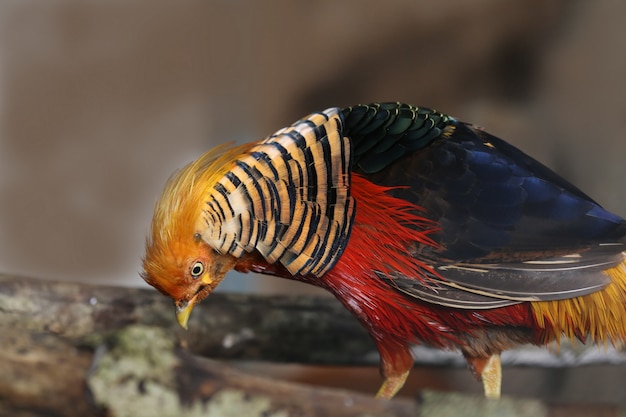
{"x":384,"y":230}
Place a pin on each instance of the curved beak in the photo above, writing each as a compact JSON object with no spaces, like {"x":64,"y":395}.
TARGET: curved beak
{"x":183,"y":311}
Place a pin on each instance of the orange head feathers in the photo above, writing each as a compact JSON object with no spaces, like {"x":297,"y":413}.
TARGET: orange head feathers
{"x":178,"y":262}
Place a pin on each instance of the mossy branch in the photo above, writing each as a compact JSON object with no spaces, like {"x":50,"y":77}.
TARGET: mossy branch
{"x":72,"y":349}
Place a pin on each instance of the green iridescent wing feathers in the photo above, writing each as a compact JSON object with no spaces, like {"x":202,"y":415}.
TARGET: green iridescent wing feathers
{"x":382,"y":133}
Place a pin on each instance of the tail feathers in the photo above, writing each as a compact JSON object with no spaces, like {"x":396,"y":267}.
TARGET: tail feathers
{"x":601,"y":316}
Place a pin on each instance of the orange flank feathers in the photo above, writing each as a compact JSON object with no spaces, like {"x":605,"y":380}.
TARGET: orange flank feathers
{"x":600,"y":315}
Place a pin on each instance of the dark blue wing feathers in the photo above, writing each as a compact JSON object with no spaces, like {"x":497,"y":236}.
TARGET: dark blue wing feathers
{"x":497,"y":208}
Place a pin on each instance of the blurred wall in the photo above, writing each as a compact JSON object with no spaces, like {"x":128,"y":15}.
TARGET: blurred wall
{"x":101,"y":101}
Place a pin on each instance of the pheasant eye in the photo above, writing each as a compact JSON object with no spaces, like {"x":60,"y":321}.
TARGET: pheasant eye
{"x":197,"y":269}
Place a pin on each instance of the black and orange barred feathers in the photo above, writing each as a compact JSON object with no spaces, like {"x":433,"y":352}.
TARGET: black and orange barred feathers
{"x":287,"y":197}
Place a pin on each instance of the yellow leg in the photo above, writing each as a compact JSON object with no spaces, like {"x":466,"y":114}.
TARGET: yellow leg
{"x":488,"y":370}
{"x":492,"y":377}
{"x":391,"y":386}
{"x":396,"y":362}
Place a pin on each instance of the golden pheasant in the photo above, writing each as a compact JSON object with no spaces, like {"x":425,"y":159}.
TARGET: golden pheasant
{"x":429,"y":230}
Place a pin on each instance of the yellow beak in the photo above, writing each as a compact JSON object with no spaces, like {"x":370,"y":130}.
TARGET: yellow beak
{"x":183,"y":311}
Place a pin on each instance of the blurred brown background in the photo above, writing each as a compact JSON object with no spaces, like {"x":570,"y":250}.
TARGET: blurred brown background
{"x":101,"y":101}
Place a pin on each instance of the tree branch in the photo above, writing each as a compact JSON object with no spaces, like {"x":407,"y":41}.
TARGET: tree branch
{"x":78,"y":350}
{"x":276,"y":328}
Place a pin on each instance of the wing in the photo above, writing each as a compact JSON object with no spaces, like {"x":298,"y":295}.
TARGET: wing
{"x":510,"y":228}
